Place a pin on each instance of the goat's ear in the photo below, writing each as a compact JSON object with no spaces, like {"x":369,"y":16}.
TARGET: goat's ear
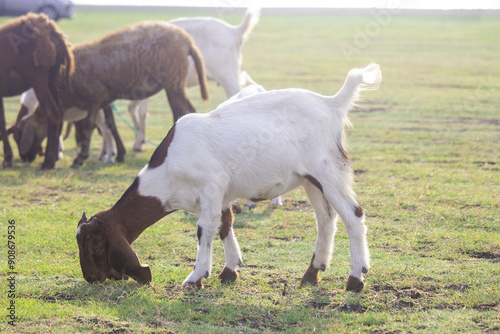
{"x":117,"y":276}
{"x":124,"y":260}
{"x":27,"y":140}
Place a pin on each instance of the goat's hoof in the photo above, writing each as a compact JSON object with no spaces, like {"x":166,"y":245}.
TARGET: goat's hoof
{"x":7,"y":164}
{"x":227,"y":275}
{"x":197,"y":285}
{"x":76,"y":165}
{"x":236,"y":207}
{"x":48,"y":166}
{"x":310,"y":277}
{"x":354,"y":284}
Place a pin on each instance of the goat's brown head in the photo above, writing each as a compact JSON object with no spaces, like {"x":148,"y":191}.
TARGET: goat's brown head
{"x":105,"y":253}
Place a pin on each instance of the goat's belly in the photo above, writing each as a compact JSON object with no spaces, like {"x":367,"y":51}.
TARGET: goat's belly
{"x":261,"y":190}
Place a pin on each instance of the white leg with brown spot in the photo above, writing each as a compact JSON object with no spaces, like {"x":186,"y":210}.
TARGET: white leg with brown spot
{"x":208,"y":226}
{"x":341,"y":198}
{"x":232,"y":251}
{"x":353,"y":218}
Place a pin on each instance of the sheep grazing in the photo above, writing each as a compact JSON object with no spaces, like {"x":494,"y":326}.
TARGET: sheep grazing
{"x":221,"y":46}
{"x":132,"y":63}
{"x":34,"y":54}
{"x":259,"y":147}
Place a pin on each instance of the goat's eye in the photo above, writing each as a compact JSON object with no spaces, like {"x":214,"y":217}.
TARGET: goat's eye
{"x":97,"y":250}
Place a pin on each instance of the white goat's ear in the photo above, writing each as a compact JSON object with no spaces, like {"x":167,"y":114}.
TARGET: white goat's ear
{"x":27,"y":140}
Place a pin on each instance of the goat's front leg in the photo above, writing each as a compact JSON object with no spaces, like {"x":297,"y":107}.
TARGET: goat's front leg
{"x":232,"y":251}
{"x":208,"y":225}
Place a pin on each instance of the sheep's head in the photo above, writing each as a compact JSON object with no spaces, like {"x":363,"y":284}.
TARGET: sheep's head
{"x":29,"y":132}
{"x":105,"y":253}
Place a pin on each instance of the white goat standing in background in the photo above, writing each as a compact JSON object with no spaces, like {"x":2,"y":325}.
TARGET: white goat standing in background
{"x":220,"y":45}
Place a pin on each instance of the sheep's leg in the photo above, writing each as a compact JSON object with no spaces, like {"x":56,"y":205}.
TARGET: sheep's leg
{"x":52,"y":150}
{"x":108,"y":150}
{"x":133,"y":110}
{"x":354,"y":220}
{"x":110,"y":123}
{"x":326,"y":220}
{"x":232,"y":251}
{"x":208,"y":226}
{"x":83,"y":134}
{"x":49,"y":100}
{"x":139,"y":112}
{"x":7,"y":150}
{"x":179,"y":104}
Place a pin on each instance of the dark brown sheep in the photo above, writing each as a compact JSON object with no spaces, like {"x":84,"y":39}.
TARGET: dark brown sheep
{"x":131,"y":63}
{"x":34,"y":53}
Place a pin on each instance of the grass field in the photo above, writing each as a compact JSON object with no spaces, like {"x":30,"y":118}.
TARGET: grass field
{"x":426,"y":151}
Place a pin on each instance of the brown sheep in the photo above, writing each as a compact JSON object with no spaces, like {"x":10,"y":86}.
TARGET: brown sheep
{"x":34,"y":54}
{"x":132,"y":63}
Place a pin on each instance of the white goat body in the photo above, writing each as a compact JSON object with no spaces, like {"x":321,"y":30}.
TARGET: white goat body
{"x":258,"y":147}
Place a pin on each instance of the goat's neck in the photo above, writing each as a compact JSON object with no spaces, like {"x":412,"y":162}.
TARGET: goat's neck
{"x":133,"y":213}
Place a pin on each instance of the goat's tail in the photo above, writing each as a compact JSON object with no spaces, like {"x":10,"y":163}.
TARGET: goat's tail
{"x":249,"y":21}
{"x":200,"y":71}
{"x":357,"y":80}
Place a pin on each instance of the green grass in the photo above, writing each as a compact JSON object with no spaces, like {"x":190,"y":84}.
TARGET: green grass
{"x":425,"y":148}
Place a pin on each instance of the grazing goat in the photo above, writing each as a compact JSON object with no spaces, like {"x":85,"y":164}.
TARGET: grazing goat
{"x":259,"y":147}
{"x":34,"y":54}
{"x":220,"y":45}
{"x":131,"y":63}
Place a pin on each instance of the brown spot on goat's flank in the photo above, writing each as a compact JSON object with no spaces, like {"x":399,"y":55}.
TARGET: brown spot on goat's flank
{"x":227,"y":223}
{"x":358,"y":211}
{"x":310,"y":277}
{"x":314,"y":181}
{"x":161,"y":151}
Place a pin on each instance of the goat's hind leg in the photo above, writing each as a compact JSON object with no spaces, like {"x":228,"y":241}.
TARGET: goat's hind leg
{"x":354,"y":220}
{"x":326,"y":220}
{"x":231,"y":248}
